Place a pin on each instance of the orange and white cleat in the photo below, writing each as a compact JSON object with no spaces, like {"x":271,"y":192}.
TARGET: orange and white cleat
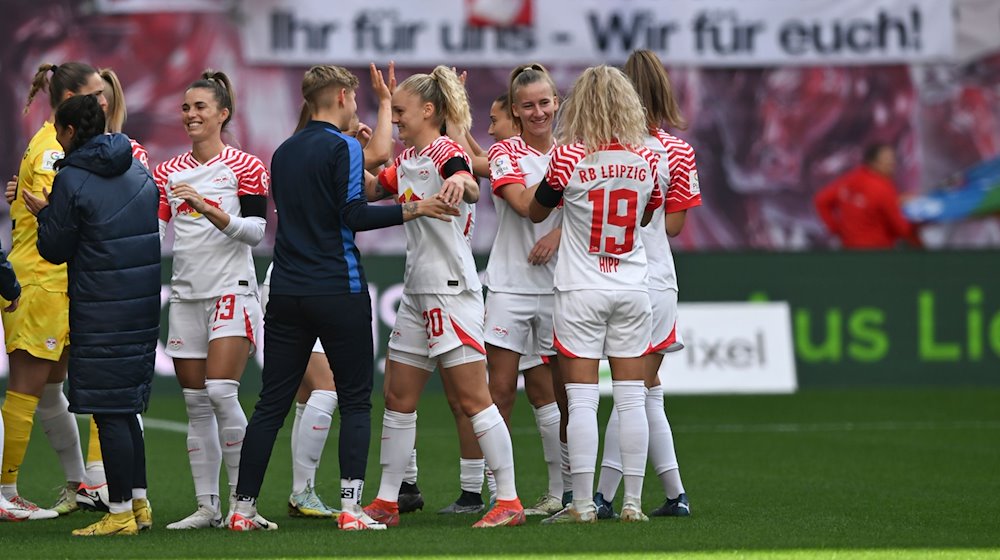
{"x":240,"y":522}
{"x":383,"y":512}
{"x":355,"y":519}
{"x":505,"y":513}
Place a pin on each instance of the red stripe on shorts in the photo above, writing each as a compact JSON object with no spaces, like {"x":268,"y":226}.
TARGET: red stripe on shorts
{"x":246,"y":320}
{"x":466,"y":339}
{"x":562,"y":349}
{"x":671,"y":338}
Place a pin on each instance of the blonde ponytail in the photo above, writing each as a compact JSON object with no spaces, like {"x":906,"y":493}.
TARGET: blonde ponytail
{"x":442,"y":89}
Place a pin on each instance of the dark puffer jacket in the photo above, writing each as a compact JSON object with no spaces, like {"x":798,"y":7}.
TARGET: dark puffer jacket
{"x":101,"y":220}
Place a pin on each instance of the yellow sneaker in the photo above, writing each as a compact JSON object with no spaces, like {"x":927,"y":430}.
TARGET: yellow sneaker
{"x":143,"y":512}
{"x":110,"y":524}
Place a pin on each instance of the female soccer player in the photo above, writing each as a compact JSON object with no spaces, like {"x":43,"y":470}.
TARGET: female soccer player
{"x":678,"y":171}
{"x":519,"y":299}
{"x":440,"y":318}
{"x":216,"y":196}
{"x":101,"y":221}
{"x":37,"y":331}
{"x":605,"y":177}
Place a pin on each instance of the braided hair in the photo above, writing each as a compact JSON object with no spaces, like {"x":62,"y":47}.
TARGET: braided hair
{"x":85,"y":115}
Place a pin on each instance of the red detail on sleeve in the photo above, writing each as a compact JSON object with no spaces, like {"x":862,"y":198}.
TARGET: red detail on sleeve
{"x":389,"y":180}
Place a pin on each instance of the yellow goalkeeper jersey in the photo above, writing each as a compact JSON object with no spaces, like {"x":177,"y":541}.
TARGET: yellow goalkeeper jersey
{"x":37,"y":172}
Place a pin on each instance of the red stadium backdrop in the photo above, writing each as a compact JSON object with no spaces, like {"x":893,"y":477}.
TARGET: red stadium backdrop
{"x":767,"y":138}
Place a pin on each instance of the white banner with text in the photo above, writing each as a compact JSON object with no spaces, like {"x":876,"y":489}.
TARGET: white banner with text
{"x":504,"y":33}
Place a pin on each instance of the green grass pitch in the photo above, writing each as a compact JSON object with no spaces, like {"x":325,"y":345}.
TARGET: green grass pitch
{"x":822,"y":474}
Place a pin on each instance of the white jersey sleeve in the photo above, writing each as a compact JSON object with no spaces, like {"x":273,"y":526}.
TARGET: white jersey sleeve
{"x":438,"y":254}
{"x":516,"y":164}
{"x":207,"y":263}
{"x":605,"y":194}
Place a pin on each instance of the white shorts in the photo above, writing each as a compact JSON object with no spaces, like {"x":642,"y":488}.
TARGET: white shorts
{"x":193,"y":324}
{"x":527,"y":362}
{"x":520,"y":322}
{"x":432,"y":324}
{"x":665,"y":336}
{"x":597,"y":323}
{"x":265,"y":293}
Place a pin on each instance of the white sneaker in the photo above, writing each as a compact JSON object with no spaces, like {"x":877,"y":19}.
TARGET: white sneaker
{"x":203,"y":518}
{"x":239,"y":522}
{"x":34,"y":512}
{"x":632,"y":510}
{"x":9,"y":512}
{"x":355,"y":519}
{"x":570,"y":514}
{"x":547,"y":505}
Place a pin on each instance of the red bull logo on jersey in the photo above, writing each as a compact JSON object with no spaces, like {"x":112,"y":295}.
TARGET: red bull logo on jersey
{"x":424,"y":174}
{"x":185,"y":209}
{"x":408,"y":196}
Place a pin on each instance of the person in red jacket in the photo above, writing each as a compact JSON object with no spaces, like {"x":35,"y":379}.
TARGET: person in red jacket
{"x":862,"y":207}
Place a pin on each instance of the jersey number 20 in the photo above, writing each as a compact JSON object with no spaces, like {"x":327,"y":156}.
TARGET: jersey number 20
{"x":608,"y":209}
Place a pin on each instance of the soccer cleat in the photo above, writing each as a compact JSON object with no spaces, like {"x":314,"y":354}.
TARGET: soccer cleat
{"x":240,"y":522}
{"x":507,"y":513}
{"x":9,"y":513}
{"x":567,"y":498}
{"x":111,"y":524}
{"x":383,"y":512}
{"x":93,"y":498}
{"x":605,"y":509}
{"x":358,"y":521}
{"x":467,"y":502}
{"x":410,"y":499}
{"x":66,"y":504}
{"x":203,"y":518}
{"x":143,"y":512}
{"x":308,"y":504}
{"x":35,"y":513}
{"x":632,"y":511}
{"x":570,"y":514}
{"x":547,"y":505}
{"x":676,"y":507}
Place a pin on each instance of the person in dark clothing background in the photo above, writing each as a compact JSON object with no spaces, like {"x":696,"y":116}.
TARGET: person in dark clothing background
{"x":318,"y":287}
{"x":862,"y":209}
{"x":101,"y":220}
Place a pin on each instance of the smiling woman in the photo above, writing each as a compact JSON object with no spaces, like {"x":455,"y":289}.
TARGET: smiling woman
{"x":216,"y":196}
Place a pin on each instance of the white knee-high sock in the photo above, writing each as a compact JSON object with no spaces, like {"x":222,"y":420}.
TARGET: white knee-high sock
{"x":61,"y":429}
{"x":204,"y":450}
{"x":611,"y":461}
{"x":399,"y":432}
{"x":498,"y":450}
{"x":662,"y":454}
{"x":410,"y":476}
{"x":299,"y":407}
{"x":224,"y":394}
{"x":313,"y":430}
{"x":581,"y":431}
{"x":547,"y":419}
{"x":567,"y":475}
{"x":470,"y":474}
{"x":633,"y":433}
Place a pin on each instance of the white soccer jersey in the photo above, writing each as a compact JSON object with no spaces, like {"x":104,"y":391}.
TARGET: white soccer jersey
{"x":206,"y":262}
{"x":438,"y":254}
{"x":513,"y":161}
{"x":604,"y":197}
{"x":682,"y":192}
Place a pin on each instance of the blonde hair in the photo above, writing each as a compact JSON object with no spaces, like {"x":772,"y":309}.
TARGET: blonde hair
{"x":523,"y":75}
{"x":116,"y":101}
{"x":315,"y":81}
{"x":442,"y":89}
{"x":602,"y":107}
{"x":652,"y":84}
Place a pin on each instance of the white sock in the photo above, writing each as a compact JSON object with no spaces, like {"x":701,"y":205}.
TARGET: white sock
{"x":9,"y":491}
{"x":491,"y":483}
{"x":567,"y":476}
{"x":581,"y":431}
{"x":470,"y":474}
{"x":350,"y":494}
{"x":120,"y":507}
{"x":95,"y":473}
{"x":662,"y":455}
{"x":204,"y":450}
{"x":138,"y":493}
{"x":494,"y":440}
{"x":60,"y":427}
{"x":399,"y":432}
{"x":312,"y":432}
{"x":299,"y":407}
{"x":410,"y":476}
{"x":633,"y":433}
{"x":611,"y":462}
{"x":547,"y":419}
{"x":224,"y":394}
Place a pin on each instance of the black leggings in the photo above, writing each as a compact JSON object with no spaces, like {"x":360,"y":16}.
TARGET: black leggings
{"x":124,"y":454}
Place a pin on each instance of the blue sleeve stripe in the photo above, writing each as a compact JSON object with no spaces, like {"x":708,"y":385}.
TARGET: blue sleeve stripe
{"x":354,"y":190}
